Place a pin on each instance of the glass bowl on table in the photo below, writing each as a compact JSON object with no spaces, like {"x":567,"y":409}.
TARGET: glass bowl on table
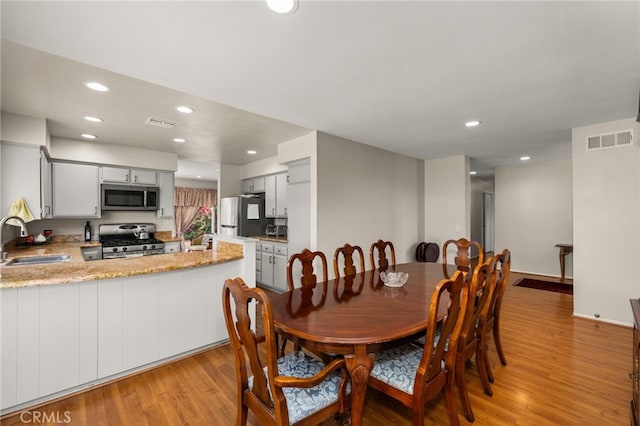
{"x":394,"y":279}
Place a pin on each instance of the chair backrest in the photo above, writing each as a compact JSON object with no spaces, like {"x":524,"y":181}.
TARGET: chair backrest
{"x":348,"y":269}
{"x":450,"y":327}
{"x":463,"y":255}
{"x":481,"y":288}
{"x":249,"y":359}
{"x":503,"y":265}
{"x":380,"y":247}
{"x":308,"y":278}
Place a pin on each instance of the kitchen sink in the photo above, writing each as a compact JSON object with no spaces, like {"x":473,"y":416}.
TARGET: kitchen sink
{"x":34,"y":260}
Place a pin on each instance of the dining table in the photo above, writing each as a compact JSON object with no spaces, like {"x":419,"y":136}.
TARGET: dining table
{"x":357,"y":316}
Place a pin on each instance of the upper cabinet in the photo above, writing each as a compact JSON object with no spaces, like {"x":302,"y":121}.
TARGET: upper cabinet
{"x":275,"y":188}
{"x":20,"y":177}
{"x":253,"y":185}
{"x":166,"y":184}
{"x":75,"y":190}
{"x":46,"y":198}
{"x":127,"y":175}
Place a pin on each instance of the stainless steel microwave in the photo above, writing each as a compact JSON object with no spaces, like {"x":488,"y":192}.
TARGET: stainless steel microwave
{"x":129,"y":197}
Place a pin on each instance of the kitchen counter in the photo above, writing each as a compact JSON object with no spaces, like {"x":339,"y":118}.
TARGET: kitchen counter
{"x":270,"y":238}
{"x":78,"y":270}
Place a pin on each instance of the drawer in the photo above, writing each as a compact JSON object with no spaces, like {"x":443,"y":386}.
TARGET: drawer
{"x":281,"y":250}
{"x":172,"y":247}
{"x":267,"y":248}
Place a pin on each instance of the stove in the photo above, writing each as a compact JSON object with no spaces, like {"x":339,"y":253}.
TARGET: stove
{"x":129,"y":240}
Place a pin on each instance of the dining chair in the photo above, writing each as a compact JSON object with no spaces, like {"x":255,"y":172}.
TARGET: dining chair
{"x":292,"y":390}
{"x":415,"y":374}
{"x":481,"y":288}
{"x":380,"y":247}
{"x":463,"y":259}
{"x":348,"y":267}
{"x":343,"y":285}
{"x":308,"y":277}
{"x":492,"y":323}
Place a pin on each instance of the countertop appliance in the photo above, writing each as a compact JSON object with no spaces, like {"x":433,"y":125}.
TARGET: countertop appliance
{"x":130,"y":197}
{"x":129,"y":240}
{"x":242,"y":215}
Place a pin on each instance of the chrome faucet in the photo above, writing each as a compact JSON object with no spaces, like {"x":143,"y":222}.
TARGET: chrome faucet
{"x":23,"y":233}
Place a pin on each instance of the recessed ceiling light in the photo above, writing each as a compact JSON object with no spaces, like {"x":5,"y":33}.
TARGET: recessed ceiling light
{"x":473,"y":172}
{"x":88,"y":136}
{"x":199,"y":177}
{"x":185,"y":109}
{"x":94,"y":119}
{"x":179,"y":140}
{"x":283,"y":6}
{"x":525,"y":158}
{"x":252,"y":152}
{"x":472,"y":123}
{"x":99,"y":87}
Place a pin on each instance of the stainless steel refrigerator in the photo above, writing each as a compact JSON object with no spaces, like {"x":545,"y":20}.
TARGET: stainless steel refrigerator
{"x":242,"y":215}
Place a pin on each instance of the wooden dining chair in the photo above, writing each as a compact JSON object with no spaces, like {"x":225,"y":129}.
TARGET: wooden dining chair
{"x":481,"y":288}
{"x":308,"y":277}
{"x":379,"y":248}
{"x":343,"y":285}
{"x":463,"y":259}
{"x":492,"y":322}
{"x":415,"y":374}
{"x":292,"y":390}
{"x":348,"y":267}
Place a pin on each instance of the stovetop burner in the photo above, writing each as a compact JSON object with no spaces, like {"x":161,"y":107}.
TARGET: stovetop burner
{"x":123,"y":240}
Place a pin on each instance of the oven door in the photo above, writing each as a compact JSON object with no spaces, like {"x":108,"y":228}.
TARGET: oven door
{"x":123,"y":197}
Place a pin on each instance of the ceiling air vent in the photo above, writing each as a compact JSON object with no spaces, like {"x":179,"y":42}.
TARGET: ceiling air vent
{"x":610,"y":140}
{"x":152,"y":121}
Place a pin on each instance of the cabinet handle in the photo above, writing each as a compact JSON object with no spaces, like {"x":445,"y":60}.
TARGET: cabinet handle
{"x":287,"y":178}
{"x":161,"y":211}
{"x":135,"y":178}
{"x":95,"y":210}
{"x":285,"y":211}
{"x":127,"y":179}
{"x":273,"y":211}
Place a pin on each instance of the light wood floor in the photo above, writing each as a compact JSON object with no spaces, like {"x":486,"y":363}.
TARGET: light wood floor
{"x":562,"y":371}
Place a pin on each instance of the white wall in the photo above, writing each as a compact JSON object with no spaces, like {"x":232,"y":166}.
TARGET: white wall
{"x":606,"y":224}
{"x":363,"y":194}
{"x":24,"y":129}
{"x":447,"y":200}
{"x":533,"y":212}
{"x":265,"y":166}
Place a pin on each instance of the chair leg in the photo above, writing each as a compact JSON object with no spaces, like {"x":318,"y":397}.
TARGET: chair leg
{"x":489,"y":369}
{"x":462,"y":390}
{"x":496,"y":338}
{"x":243,"y":411}
{"x":450,"y":397}
{"x":483,"y":365}
{"x":418,"y":413}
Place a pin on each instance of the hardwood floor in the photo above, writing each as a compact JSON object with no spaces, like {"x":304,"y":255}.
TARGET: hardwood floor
{"x":562,"y":371}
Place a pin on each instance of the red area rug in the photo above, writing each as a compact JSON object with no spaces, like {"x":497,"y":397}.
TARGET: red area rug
{"x":545,"y":285}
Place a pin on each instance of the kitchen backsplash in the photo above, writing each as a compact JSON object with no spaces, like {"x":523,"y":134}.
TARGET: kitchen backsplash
{"x":76,"y":226}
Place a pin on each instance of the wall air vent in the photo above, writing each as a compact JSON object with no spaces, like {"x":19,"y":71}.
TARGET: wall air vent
{"x":166,"y":124}
{"x":610,"y":140}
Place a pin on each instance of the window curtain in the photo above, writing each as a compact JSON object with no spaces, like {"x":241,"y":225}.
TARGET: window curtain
{"x":187,"y":205}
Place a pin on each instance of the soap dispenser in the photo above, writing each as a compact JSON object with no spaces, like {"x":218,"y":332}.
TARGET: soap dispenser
{"x":87,"y":232}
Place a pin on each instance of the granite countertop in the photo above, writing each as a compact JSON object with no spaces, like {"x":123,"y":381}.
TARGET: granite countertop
{"x":78,"y":270}
{"x":270,"y":238}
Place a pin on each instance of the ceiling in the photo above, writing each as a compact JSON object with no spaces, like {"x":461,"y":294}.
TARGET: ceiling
{"x":399,"y":75}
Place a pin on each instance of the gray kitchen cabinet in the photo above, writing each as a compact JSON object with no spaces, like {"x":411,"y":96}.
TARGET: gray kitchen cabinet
{"x":253,"y":185}
{"x":166,"y":184}
{"x":46,"y":198}
{"x":128,"y":175}
{"x":274,"y":266}
{"x":20,"y":176}
{"x":75,"y":190}
{"x":276,"y":195}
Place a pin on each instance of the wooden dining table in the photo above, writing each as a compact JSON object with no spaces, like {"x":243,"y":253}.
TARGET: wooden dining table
{"x":357,"y":317}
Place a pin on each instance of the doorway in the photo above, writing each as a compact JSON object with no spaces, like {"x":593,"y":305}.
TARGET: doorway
{"x":487,"y":221}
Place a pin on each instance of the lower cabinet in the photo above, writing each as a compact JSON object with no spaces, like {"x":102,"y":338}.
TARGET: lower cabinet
{"x":60,"y":337}
{"x":274,"y":266}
